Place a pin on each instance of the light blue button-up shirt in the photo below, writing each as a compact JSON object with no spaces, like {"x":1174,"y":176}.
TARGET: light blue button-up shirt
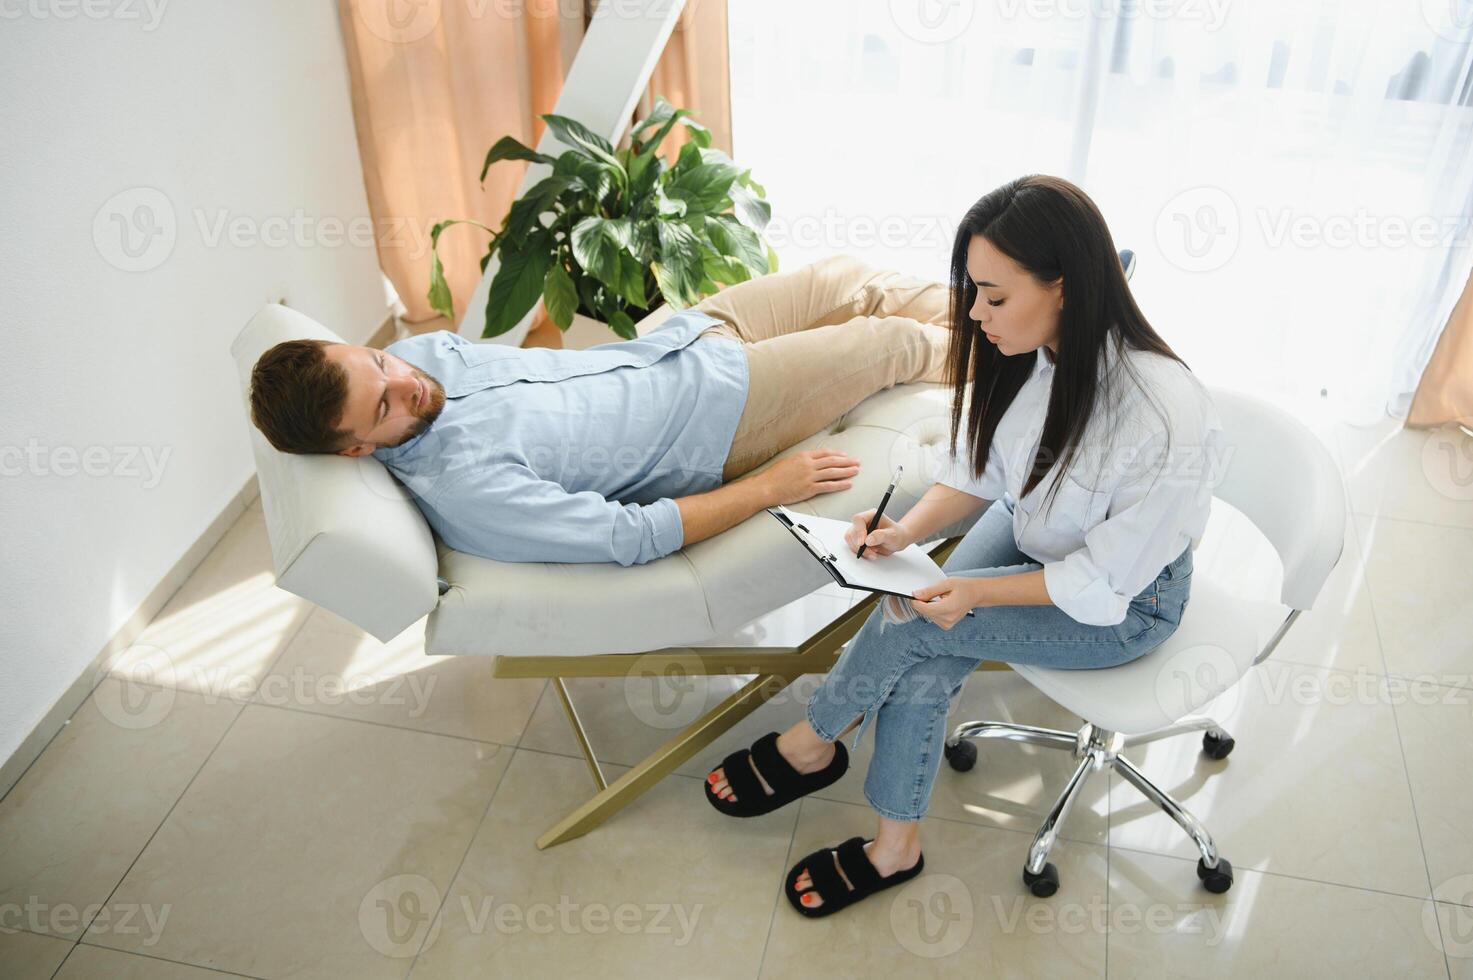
{"x":573,"y":456}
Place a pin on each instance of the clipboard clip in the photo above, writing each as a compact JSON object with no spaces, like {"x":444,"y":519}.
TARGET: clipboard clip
{"x":812,"y":543}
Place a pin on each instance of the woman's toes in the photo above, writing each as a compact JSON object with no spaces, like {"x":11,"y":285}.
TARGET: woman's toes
{"x":810,"y":898}
{"x":717,"y":781}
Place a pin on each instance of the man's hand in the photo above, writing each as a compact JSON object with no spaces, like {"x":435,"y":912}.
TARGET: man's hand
{"x":887,"y":538}
{"x":807,"y":474}
{"x":954,"y":597}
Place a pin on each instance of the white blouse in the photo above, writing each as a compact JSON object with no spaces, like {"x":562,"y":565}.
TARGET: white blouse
{"x":1129,"y":505}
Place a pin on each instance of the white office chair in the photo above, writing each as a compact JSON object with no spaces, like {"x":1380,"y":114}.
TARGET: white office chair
{"x":1285,"y":482}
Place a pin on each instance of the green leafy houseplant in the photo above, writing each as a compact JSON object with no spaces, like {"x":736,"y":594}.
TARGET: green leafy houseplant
{"x":609,"y":233}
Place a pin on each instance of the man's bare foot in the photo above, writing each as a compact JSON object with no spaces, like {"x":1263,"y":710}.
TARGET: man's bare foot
{"x":803,"y":758}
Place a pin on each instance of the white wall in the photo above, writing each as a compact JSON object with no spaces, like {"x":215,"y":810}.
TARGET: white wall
{"x":204,"y":109}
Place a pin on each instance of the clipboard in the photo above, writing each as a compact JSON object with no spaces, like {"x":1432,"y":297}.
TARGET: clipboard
{"x":898,"y":574}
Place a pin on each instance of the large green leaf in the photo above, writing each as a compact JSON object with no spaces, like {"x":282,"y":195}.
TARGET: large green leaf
{"x":525,"y":213}
{"x":720,"y":268}
{"x":731,"y":238}
{"x":631,"y":279}
{"x":750,"y":209}
{"x":559,"y":296}
{"x":517,"y":284}
{"x":596,"y":247}
{"x":662,"y":112}
{"x":439,"y":292}
{"x":593,"y":176}
{"x":579,"y":136}
{"x":704,"y":188}
{"x":680,"y":267}
{"x":666,"y":116}
{"x":623,"y":325}
{"x":643,"y":241}
{"x":509,"y":148}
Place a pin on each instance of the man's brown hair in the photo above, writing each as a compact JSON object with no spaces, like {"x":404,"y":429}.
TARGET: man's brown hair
{"x":297,"y":395}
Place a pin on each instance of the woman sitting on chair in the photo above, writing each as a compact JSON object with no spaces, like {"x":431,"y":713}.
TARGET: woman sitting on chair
{"x":1095,"y":447}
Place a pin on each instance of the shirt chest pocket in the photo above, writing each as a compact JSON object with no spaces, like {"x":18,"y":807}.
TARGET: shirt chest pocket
{"x":1075,"y":508}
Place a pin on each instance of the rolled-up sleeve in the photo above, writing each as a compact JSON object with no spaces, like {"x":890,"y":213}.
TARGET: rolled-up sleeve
{"x":508,"y":513}
{"x":952,"y":467}
{"x":1152,"y":518}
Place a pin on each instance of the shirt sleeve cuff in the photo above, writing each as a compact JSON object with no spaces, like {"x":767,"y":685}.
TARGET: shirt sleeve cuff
{"x":667,"y":533}
{"x":1086,"y":598}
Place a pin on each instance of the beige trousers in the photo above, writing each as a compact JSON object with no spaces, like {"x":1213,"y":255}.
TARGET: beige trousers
{"x":820,"y":340}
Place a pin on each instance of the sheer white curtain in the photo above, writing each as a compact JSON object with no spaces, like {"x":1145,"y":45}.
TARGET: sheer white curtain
{"x":1296,"y":174}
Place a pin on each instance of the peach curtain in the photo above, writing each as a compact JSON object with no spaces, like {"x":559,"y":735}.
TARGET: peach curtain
{"x":1445,"y":393}
{"x":434,"y":84}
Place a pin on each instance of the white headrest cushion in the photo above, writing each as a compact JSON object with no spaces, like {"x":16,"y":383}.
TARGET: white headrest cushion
{"x":344,"y":533}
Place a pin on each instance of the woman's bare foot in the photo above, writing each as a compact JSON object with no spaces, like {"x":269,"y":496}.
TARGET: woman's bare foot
{"x":799,"y":746}
{"x":897,"y":847}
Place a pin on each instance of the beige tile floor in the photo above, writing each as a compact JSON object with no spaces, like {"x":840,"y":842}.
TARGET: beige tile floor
{"x":258,"y":789}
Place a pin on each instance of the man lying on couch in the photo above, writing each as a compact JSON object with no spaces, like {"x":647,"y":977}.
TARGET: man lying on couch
{"x":628,"y":451}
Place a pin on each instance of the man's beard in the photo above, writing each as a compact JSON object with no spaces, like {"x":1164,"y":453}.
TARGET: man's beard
{"x":435,"y":399}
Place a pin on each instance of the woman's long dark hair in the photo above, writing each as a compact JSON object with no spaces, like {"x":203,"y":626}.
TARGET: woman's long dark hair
{"x":1053,"y":230}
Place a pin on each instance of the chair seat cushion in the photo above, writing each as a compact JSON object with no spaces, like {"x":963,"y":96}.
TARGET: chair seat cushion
{"x":1211,"y":650}
{"x":704,"y":590}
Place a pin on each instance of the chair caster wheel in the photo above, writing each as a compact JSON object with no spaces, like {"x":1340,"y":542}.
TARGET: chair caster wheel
{"x":1216,"y":880}
{"x":1217,"y":748}
{"x":962,"y":756}
{"x":1043,"y":884}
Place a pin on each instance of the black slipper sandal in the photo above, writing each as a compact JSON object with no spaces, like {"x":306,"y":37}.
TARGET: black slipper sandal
{"x":830,"y":885}
{"x":787,"y":783}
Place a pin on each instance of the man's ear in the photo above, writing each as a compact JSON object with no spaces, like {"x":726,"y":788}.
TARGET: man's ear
{"x":357,"y":449}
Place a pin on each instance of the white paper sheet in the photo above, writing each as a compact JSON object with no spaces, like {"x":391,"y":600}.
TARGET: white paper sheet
{"x":901,"y":573}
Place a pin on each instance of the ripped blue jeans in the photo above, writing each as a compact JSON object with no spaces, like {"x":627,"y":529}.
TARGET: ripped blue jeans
{"x":904,"y":677}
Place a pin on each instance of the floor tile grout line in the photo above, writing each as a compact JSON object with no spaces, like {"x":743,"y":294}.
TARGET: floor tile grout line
{"x":546,"y":683}
{"x":470,"y":842}
{"x":1365,"y":579}
{"x":107,"y":675}
{"x":165,"y":819}
{"x":1283,"y":874}
{"x":295,"y":709}
{"x":1109,"y":823}
{"x":49,"y":742}
{"x":162,"y":959}
{"x":1379,"y":516}
{"x":1387,"y":675}
{"x":1406,"y":771}
{"x":777,"y":900}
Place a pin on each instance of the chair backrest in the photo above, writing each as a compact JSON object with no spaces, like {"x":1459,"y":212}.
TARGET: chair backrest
{"x":344,"y":533}
{"x":1285,"y":481}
